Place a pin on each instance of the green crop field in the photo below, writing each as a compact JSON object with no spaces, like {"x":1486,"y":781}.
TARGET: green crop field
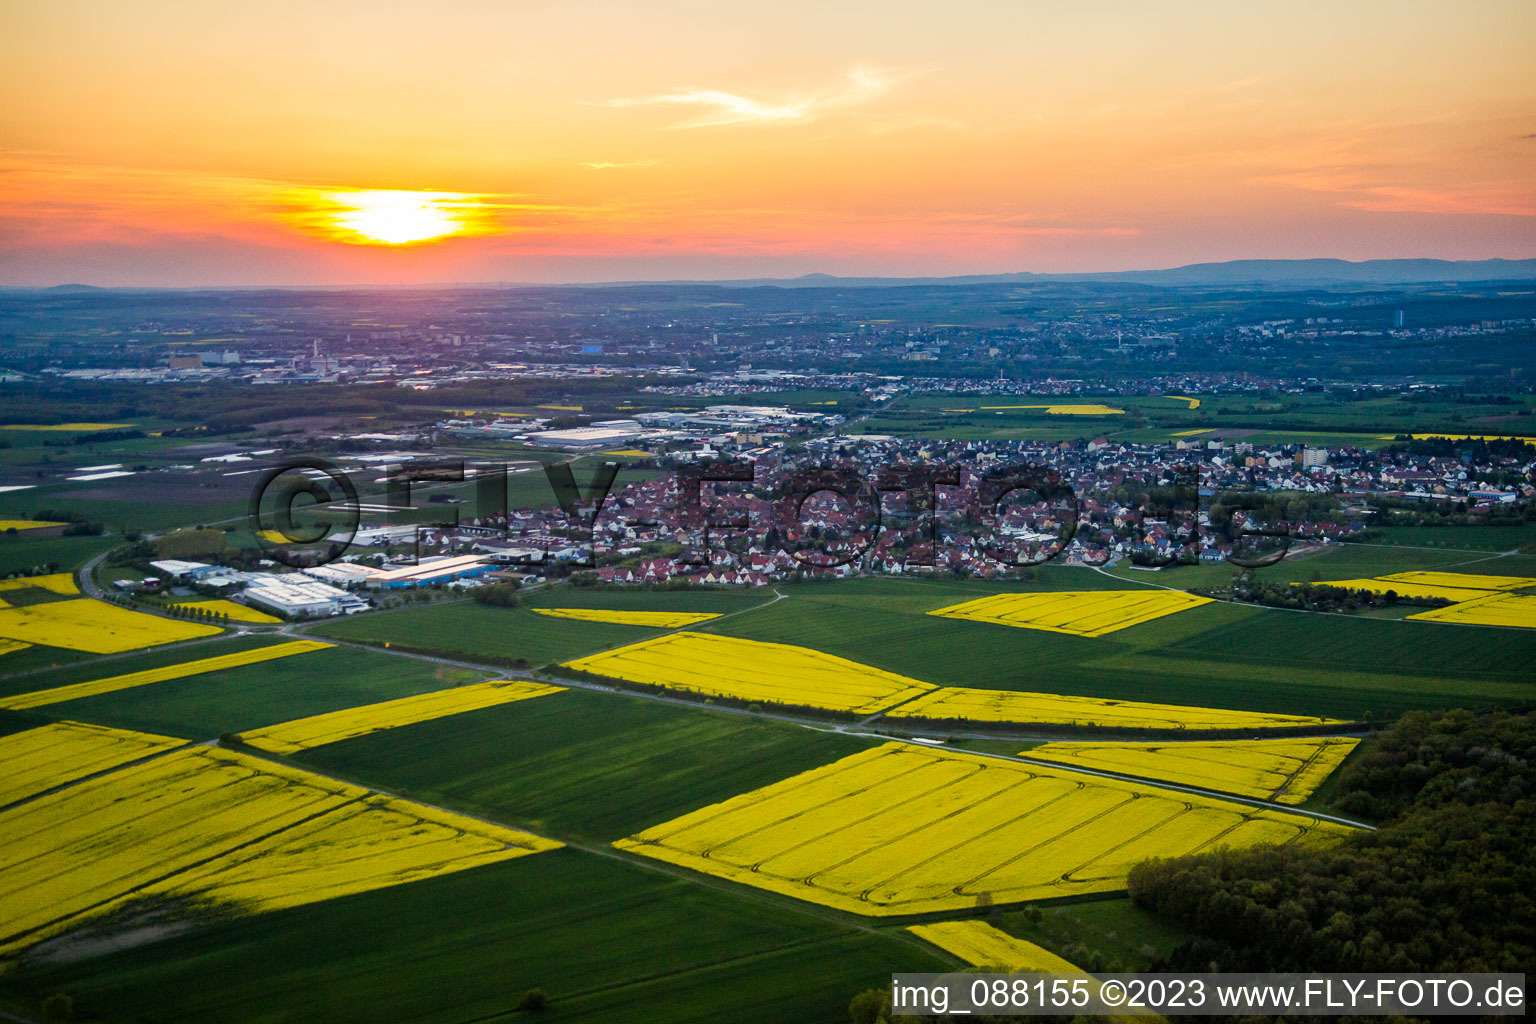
{"x":1472,"y":538}
{"x":598,"y":765}
{"x":1216,"y":655}
{"x":1335,"y":562}
{"x":19,"y":555}
{"x":1108,"y":934}
{"x":694,"y":599}
{"x":37,"y":657}
{"x":470,"y":630}
{"x":606,"y":941}
{"x":213,"y":703}
{"x":99,"y":667}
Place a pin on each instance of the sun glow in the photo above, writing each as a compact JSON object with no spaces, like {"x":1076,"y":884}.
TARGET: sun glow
{"x":397,"y":217}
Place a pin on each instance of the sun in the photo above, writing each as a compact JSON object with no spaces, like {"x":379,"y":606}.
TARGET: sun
{"x":399,"y":217}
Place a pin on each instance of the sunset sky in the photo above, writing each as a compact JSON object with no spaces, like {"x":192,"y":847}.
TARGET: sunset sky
{"x":196,"y":143}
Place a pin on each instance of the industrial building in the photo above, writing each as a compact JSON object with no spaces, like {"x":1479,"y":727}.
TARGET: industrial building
{"x":598,"y":435}
{"x":296,"y":596}
{"x":426,"y":573}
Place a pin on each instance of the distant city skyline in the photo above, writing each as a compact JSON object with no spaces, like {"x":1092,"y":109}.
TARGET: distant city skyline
{"x":342,"y":143}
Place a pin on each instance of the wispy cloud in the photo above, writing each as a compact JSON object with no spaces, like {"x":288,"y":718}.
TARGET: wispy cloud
{"x":1390,"y":190}
{"x":616,"y":165}
{"x":722,"y":109}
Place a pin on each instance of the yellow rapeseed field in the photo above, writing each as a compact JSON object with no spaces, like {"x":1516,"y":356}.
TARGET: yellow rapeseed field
{"x":904,"y":829}
{"x":978,"y":705}
{"x":318,"y":730}
{"x":1494,"y":610}
{"x":1467,"y":437}
{"x":372,"y":844}
{"x":1467,"y":580}
{"x":1194,"y":403}
{"x":7,"y":646}
{"x":39,"y":759}
{"x":55,"y":695}
{"x":237,"y":612}
{"x":725,"y":666}
{"x":658,"y":620}
{"x":58,"y":583}
{"x":1078,"y":612}
{"x":981,"y":945}
{"x":20,"y":525}
{"x":1079,"y":409}
{"x":209,"y":825}
{"x":94,"y":626}
{"x":1407,"y":588}
{"x":1285,"y":770}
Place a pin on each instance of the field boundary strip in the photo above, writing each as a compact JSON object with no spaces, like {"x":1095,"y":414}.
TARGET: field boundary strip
{"x":74,"y":691}
{"x":348,"y":723}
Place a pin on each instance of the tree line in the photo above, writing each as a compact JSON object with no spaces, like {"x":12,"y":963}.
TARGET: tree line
{"x":1444,"y":884}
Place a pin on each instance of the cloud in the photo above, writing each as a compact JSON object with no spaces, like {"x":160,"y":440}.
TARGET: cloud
{"x":725,"y":109}
{"x":614,"y":165}
{"x":1365,"y":188}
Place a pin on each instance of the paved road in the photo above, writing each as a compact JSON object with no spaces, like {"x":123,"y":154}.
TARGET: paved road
{"x":851,"y":729}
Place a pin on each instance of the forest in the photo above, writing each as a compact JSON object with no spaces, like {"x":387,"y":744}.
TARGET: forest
{"x":1453,"y":793}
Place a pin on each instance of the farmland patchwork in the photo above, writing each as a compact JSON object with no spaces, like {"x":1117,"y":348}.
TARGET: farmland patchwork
{"x":203,"y":827}
{"x":902,"y":829}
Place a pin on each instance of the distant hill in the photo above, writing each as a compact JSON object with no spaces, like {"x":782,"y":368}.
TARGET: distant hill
{"x":1288,"y":273}
{"x":1235,"y":273}
{"x":1291,"y":272}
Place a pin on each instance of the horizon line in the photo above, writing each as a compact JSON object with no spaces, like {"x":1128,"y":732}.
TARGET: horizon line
{"x":769,"y":280}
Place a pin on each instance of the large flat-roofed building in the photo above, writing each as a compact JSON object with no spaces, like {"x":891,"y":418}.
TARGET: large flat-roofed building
{"x":340,"y":574}
{"x":177,"y":569}
{"x":383,"y":536}
{"x":584,"y":437}
{"x":296,"y":595}
{"x":437,"y":570}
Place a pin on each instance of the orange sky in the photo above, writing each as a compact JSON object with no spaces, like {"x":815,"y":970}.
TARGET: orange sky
{"x":182,"y":143}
